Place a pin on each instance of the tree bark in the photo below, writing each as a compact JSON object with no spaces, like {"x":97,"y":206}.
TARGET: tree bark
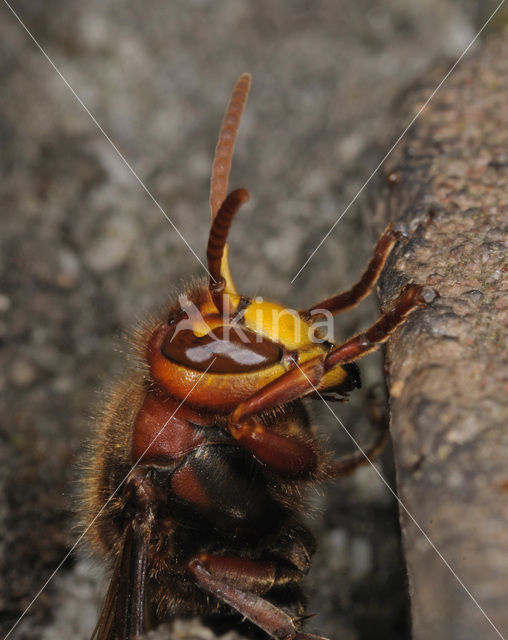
{"x":449,"y":185}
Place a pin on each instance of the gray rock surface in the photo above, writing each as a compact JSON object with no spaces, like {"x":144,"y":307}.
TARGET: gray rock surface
{"x":85,"y":252}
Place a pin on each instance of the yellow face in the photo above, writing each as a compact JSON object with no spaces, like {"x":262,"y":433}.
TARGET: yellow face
{"x":232,"y":357}
{"x":219,"y":348}
{"x":279,"y":324}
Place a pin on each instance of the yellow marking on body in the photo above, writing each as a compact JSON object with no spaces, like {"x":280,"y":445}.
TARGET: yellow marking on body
{"x":279,"y":324}
{"x":333,"y":378}
{"x":311,"y":351}
{"x":208,"y":323}
{"x":200,"y":328}
{"x":230,"y":289}
{"x":226,"y":273}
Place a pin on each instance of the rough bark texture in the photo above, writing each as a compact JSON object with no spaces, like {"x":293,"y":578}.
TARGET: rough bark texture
{"x":446,"y":366}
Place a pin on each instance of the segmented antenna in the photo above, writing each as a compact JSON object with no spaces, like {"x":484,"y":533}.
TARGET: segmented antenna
{"x":217,"y":242}
{"x":226,"y":143}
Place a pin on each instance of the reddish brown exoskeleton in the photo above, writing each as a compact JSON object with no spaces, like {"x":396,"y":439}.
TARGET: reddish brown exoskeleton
{"x":202,"y":451}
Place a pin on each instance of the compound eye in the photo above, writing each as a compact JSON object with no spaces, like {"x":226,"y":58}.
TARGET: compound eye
{"x":226,"y":349}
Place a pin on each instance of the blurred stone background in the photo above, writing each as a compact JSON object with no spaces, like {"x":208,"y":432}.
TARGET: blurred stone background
{"x":85,"y":252}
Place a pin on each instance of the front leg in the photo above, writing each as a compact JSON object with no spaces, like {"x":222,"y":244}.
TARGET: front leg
{"x":351,"y":298}
{"x":412,"y":297}
{"x":288,"y":456}
{"x":284,"y":455}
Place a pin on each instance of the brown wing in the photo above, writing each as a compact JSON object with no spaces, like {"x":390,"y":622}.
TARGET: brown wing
{"x":103,"y":630}
{"x":122,"y":615}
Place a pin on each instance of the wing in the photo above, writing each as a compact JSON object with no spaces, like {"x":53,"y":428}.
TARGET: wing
{"x":122,"y":614}
{"x":103,"y":630}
